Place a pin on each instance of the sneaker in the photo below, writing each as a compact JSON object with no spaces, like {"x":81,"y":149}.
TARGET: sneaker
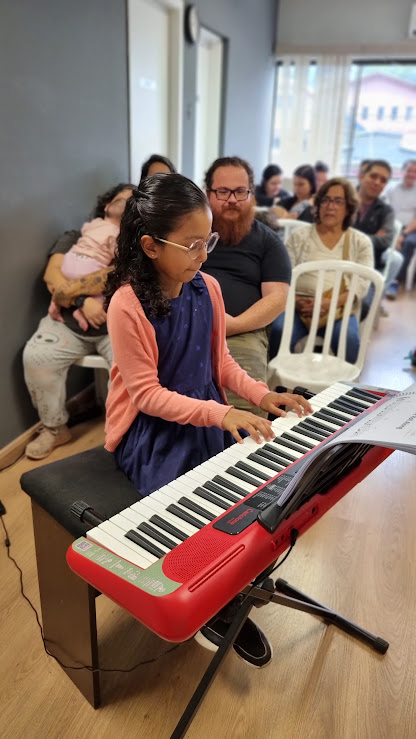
{"x":392,"y":290}
{"x":46,"y":441}
{"x":251,"y":643}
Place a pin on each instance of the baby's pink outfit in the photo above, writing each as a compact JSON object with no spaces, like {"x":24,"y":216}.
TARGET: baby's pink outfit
{"x":93,"y":251}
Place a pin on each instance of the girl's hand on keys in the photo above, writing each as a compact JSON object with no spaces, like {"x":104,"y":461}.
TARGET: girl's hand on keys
{"x":254,"y":425}
{"x":298,"y":403}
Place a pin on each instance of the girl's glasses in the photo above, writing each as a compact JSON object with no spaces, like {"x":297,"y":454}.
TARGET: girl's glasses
{"x":195,"y":249}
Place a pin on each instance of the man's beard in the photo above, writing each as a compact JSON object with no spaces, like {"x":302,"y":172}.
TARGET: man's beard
{"x":232,"y":231}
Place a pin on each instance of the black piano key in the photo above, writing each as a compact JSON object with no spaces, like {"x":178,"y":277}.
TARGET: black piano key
{"x":309,"y":432}
{"x":316,"y":426}
{"x":244,"y":476}
{"x":196,"y":508}
{"x":351,"y":403}
{"x":252,"y":471}
{"x":364,"y":394}
{"x":294,"y":443}
{"x":206,"y":495}
{"x":168,"y":527}
{"x":279,"y":456}
{"x":180,"y":513}
{"x":209,"y":485}
{"x":331,"y":417}
{"x":230,"y":485}
{"x":155,"y":534}
{"x":265,"y":462}
{"x":343,"y":407}
{"x":144,"y":543}
{"x":281,"y":452}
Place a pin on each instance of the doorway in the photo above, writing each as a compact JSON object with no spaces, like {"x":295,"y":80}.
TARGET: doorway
{"x":155,"y":60}
{"x":209,"y":95}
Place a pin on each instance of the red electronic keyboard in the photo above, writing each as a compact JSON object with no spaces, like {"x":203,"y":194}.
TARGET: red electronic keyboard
{"x":177,"y":556}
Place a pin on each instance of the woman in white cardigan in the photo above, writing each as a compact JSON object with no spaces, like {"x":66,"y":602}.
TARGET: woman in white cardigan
{"x":331,"y":237}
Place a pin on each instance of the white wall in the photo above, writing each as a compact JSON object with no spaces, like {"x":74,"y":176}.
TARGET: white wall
{"x":349,"y":23}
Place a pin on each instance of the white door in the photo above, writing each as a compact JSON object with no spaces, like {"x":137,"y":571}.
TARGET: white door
{"x":208,"y":106}
{"x":155,"y":80}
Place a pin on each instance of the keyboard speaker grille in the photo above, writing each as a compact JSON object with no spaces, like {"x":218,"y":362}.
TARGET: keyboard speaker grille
{"x":195,"y":554}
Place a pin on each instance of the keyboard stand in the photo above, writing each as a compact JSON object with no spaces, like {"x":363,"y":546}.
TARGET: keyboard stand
{"x":283,"y":594}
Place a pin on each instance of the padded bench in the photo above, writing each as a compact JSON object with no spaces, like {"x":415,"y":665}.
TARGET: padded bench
{"x":67,"y":601}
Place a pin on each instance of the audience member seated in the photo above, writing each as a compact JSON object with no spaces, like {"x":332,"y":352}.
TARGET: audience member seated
{"x":376,"y":219}
{"x":322,"y":173}
{"x":56,"y":345}
{"x":300,"y":204}
{"x":330,"y":238}
{"x":270,"y":191}
{"x":156,"y":164}
{"x":251,"y":264}
{"x":402,"y":198}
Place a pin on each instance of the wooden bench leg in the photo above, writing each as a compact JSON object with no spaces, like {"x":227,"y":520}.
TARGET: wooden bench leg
{"x":68,"y":605}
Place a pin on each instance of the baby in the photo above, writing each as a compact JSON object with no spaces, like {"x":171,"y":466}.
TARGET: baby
{"x":93,"y":251}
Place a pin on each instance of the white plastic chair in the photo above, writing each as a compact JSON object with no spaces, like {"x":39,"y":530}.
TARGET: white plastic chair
{"x":289,"y":225}
{"x":311,"y":369}
{"x":101,"y":374}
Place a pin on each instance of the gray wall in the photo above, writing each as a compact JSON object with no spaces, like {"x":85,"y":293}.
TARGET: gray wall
{"x":64,"y":99}
{"x":320,"y":22}
{"x":249,"y":29}
{"x":64,"y":138}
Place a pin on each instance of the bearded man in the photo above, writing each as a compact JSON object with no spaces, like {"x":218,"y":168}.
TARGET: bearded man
{"x":251,"y":264}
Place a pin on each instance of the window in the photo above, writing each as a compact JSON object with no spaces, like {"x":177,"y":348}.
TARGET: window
{"x":387,"y":132}
{"x":341,"y":111}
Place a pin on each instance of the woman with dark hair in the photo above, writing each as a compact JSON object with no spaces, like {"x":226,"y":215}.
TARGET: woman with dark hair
{"x":331,"y":237}
{"x":156,"y":164}
{"x":56,"y":345}
{"x":166,"y":410}
{"x":304,"y":187}
{"x":270,"y":191}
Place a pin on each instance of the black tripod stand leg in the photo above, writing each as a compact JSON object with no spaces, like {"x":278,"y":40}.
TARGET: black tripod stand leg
{"x":330,"y":616}
{"x":212,"y":669}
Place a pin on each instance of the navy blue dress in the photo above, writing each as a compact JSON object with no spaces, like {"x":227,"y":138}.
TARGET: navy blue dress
{"x":153,"y":451}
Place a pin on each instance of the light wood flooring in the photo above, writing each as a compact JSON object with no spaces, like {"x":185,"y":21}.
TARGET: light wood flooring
{"x":322,"y":684}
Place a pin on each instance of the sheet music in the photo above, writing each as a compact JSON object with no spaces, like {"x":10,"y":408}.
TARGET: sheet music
{"x":392,"y":424}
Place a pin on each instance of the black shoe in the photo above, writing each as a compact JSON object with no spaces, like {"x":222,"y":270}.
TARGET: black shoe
{"x":251,"y":643}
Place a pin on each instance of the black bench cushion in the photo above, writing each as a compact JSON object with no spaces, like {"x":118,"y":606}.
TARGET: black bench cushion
{"x":91,"y":476}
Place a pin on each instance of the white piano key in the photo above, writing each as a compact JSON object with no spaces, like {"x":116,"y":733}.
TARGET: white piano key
{"x":110,"y":537}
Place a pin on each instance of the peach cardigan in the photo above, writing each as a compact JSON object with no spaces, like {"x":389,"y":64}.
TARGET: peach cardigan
{"x":135,"y":383}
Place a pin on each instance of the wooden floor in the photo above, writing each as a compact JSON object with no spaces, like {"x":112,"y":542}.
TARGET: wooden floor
{"x":360,"y":559}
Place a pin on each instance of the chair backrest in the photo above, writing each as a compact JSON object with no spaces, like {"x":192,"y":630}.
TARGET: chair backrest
{"x":338,"y":269}
{"x":288,"y":225}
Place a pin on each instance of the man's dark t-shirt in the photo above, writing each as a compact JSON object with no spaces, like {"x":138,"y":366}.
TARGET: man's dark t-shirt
{"x":260,"y":257}
{"x":62,"y":246}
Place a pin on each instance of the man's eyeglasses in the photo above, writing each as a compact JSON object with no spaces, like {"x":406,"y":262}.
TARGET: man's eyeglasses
{"x":195,"y":249}
{"x":333,"y":201}
{"x":224,"y":193}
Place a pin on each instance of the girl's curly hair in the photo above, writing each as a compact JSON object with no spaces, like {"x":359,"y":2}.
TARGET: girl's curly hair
{"x":155,"y":209}
{"x":107,"y":197}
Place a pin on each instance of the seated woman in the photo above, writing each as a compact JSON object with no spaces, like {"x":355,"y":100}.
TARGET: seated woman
{"x":299,"y":204}
{"x":56,"y":345}
{"x":270,"y":191}
{"x":156,"y":164}
{"x":330,"y":238}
